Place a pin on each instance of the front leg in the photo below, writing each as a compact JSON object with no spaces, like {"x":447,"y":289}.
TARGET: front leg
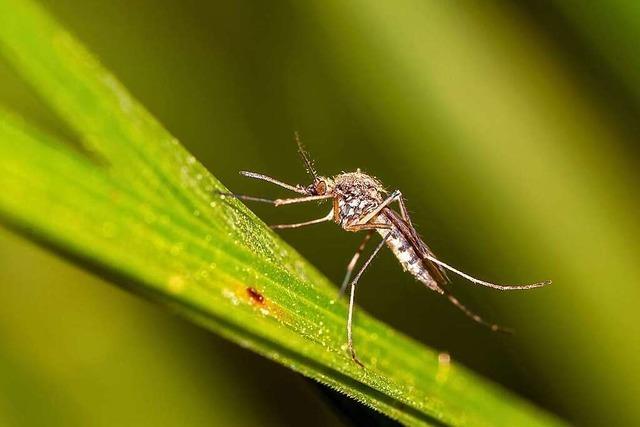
{"x":325,"y":218}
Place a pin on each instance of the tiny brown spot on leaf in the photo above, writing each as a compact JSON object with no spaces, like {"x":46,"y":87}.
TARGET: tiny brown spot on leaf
{"x":255,"y":295}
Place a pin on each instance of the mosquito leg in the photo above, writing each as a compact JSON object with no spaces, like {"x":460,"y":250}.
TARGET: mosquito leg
{"x":393,"y":197}
{"x":296,"y":188}
{"x":353,"y":262}
{"x":336,"y":211}
{"x":403,"y":210}
{"x":476,"y":318}
{"x":352,"y":298}
{"x":302,"y":224}
{"x":372,"y":226}
{"x":487,"y":284}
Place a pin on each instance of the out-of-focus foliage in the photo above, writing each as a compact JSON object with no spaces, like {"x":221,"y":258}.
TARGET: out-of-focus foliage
{"x":510,"y":130}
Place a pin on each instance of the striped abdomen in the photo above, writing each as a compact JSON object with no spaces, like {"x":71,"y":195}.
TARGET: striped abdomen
{"x":409,"y":259}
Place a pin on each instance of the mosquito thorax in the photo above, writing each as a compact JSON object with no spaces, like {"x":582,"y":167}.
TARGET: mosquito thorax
{"x":359,"y":184}
{"x":357,"y":194}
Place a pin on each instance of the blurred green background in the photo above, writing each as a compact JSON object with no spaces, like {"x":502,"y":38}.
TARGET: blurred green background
{"x":511,"y":130}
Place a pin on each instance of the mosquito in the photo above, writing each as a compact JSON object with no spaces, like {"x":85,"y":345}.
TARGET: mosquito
{"x":360,"y":203}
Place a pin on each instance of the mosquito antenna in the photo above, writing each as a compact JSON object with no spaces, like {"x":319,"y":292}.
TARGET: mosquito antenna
{"x":308,"y":163}
{"x":475,"y":317}
{"x":488,"y":284}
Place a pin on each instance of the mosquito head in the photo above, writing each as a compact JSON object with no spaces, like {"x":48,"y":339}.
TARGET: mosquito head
{"x":321,"y":186}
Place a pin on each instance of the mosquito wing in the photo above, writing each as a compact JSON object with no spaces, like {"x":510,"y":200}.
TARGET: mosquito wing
{"x":438,"y":273}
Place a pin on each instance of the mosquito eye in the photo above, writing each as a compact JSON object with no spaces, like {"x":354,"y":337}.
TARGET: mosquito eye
{"x":321,"y":188}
